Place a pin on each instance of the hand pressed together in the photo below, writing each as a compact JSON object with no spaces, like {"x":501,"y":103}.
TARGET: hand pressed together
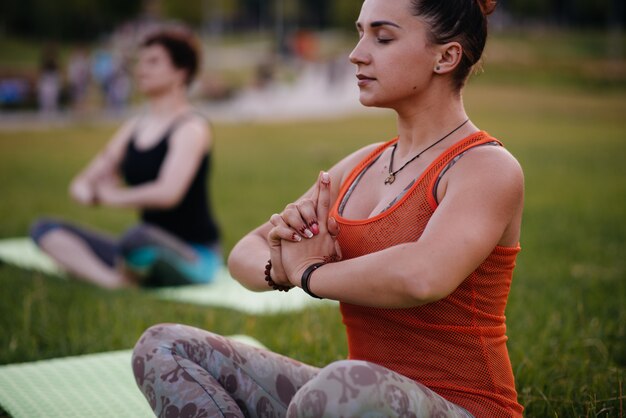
{"x":303,"y":235}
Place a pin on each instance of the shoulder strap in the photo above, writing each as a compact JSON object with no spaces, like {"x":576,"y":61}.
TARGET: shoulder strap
{"x":356,"y":171}
{"x":449,"y":158}
{"x":178,"y":121}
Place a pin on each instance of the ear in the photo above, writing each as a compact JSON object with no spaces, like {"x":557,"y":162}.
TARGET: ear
{"x":448,"y":57}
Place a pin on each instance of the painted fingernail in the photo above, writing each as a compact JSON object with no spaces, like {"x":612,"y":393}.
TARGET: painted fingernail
{"x":296,"y":237}
{"x":315,"y":228}
{"x":308,"y":233}
{"x":325,"y":178}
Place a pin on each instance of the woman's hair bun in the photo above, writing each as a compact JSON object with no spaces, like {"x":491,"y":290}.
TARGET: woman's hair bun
{"x":487,"y":6}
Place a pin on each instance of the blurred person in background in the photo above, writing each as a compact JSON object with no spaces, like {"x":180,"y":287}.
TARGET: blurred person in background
{"x":157,"y":163}
{"x":119,"y":87}
{"x":102,"y":70}
{"x":416,"y":238}
{"x":49,"y":83}
{"x":78,"y":78}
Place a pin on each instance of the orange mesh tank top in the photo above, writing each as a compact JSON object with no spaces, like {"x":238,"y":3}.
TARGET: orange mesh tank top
{"x":455,"y":346}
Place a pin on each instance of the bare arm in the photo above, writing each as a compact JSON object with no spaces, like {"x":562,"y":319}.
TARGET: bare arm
{"x":480,"y":210}
{"x":187,"y":147}
{"x":102,"y":167}
{"x":248,"y":258}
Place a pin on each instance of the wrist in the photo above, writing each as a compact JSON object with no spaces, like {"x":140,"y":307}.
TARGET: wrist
{"x":305,"y":279}
{"x":270,"y":281}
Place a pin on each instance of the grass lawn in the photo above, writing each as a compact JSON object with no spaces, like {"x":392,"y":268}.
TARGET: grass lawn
{"x":567,"y":309}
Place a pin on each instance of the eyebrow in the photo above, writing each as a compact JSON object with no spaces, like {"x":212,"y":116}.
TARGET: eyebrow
{"x":380,"y":23}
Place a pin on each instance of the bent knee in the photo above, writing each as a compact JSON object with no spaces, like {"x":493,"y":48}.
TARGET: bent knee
{"x":41,"y":227}
{"x":172,"y":336}
{"x":156,"y":334}
{"x":354,"y":388}
{"x":135,"y":238}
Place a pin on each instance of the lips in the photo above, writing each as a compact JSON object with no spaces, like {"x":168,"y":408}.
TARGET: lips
{"x":364,"y":80}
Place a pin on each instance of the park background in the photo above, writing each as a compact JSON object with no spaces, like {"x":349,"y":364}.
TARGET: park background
{"x":280,"y":93}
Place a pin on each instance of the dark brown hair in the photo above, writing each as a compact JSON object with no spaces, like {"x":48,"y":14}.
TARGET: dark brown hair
{"x":182,"y":48}
{"x":462,"y":21}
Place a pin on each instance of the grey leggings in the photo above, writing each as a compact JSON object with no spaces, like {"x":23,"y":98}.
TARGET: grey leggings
{"x":191,"y":373}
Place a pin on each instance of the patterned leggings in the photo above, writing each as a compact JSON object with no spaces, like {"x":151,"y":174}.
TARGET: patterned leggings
{"x":186,"y":372}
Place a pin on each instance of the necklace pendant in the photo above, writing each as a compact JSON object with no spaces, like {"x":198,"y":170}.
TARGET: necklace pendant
{"x":390,"y":179}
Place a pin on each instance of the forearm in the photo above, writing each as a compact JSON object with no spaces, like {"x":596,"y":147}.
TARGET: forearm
{"x":247,"y":261}
{"x":101,"y":167}
{"x":392,"y":278}
{"x":146,"y":196}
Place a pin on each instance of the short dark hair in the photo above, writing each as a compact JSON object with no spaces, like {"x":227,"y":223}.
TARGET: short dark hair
{"x":463,"y":21}
{"x":182,"y":48}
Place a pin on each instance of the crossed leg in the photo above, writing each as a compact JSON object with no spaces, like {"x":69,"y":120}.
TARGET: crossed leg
{"x":188,"y":372}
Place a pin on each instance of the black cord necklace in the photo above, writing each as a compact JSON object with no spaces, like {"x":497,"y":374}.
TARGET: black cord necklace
{"x":392,"y":174}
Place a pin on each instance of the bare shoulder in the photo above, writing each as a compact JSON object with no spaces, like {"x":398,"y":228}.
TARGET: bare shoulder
{"x":492,"y":171}
{"x":194,"y":131}
{"x":496,"y":161}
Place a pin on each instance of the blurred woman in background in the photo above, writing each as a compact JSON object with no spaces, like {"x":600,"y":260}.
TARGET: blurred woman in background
{"x":157,"y":163}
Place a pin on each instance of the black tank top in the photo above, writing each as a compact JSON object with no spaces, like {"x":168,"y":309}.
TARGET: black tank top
{"x":192,"y":219}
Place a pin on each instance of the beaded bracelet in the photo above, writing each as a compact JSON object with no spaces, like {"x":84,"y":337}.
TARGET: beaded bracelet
{"x":306,"y":276}
{"x":270,"y":282}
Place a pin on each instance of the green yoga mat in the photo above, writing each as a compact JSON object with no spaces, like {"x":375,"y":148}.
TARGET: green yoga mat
{"x":91,"y":386}
{"x":224,"y":292}
{"x":22,"y":252}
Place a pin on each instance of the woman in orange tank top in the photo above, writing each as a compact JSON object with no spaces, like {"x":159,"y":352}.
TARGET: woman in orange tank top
{"x":416,"y":238}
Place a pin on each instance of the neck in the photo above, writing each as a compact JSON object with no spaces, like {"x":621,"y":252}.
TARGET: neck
{"x":429,"y":118}
{"x":168,"y":103}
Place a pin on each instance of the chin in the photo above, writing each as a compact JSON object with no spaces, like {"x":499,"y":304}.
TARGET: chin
{"x":151,"y":91}
{"x":367,"y":101}
{"x":144,"y":88}
{"x":372,"y":102}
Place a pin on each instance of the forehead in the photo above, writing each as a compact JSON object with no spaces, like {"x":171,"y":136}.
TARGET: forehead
{"x":396,"y":11}
{"x":154,"y":50}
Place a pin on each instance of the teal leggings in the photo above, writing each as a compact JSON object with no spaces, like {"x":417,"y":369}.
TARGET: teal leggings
{"x":154,"y":256}
{"x":188,"y":372}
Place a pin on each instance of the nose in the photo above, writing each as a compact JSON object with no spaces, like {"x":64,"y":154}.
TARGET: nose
{"x":359,"y":55}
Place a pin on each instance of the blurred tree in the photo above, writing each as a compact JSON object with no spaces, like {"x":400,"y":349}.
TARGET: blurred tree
{"x":566,"y":12}
{"x":345,"y":12}
{"x":316,"y":13}
{"x":87,"y":19}
{"x":65,"y":19}
{"x":528,"y":8}
{"x":191,"y":12}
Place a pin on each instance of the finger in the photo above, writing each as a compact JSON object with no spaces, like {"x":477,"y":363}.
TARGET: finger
{"x":333,"y":227}
{"x":282,"y":232}
{"x":293,"y":217}
{"x":278,"y":274}
{"x":278,"y":222}
{"x":281,"y":229}
{"x":323,"y":200}
{"x":308,"y":212}
{"x":338,"y":255}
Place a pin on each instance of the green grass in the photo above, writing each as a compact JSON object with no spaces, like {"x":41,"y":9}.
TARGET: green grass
{"x":556,"y":101}
{"x":567,"y":309}
{"x":587,"y":60}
